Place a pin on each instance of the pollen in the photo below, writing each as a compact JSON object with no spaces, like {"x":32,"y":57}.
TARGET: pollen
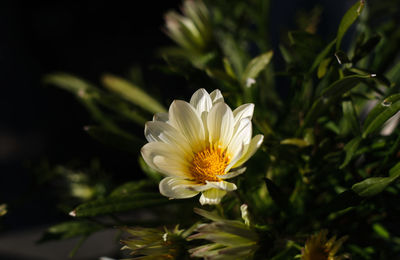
{"x":209,"y":163}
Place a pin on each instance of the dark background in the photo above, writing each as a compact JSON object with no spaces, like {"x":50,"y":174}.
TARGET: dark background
{"x":86,"y":38}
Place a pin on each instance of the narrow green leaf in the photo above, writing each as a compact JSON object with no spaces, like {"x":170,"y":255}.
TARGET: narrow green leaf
{"x":381,"y":79}
{"x":228,"y":68}
{"x":343,"y":85}
{"x":132,"y":93}
{"x":371,"y":186}
{"x":348,"y":19}
{"x":117,"y":204}
{"x":381,"y":230}
{"x":350,"y":148}
{"x":366,"y":48}
{"x":231,"y":51}
{"x":132,"y":187}
{"x":350,"y":115}
{"x":255,"y":66}
{"x":381,"y":113}
{"x":296,"y":142}
{"x":70,"y":229}
{"x":323,"y":67}
{"x":374,"y":185}
{"x":68,"y":82}
{"x":321,"y":56}
{"x":117,"y":140}
{"x":330,"y":95}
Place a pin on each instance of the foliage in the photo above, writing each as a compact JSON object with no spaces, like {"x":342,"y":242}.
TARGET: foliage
{"x":329,"y":160}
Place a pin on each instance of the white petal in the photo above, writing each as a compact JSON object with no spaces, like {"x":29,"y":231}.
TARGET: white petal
{"x":220,"y":124}
{"x":216,"y":96}
{"x":238,"y":156}
{"x":232,"y":174}
{"x":176,"y":188}
{"x":185,"y":118}
{"x":201,"y":101}
{"x":242,"y":136}
{"x":165,"y":158}
{"x":157,"y":131}
{"x":244,"y":111}
{"x":251,"y":149}
{"x":212,"y":196}
{"x":223,"y":185}
{"x":163,"y":117}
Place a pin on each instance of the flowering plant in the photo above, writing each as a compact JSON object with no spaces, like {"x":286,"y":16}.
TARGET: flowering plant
{"x":284,"y":144}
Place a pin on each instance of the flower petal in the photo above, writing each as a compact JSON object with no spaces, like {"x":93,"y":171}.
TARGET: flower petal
{"x":241,"y":136}
{"x":216,"y":96}
{"x":220,"y":124}
{"x":165,"y":158}
{"x":212,"y":196}
{"x":235,"y":159}
{"x":222,"y":185}
{"x":232,"y":174}
{"x":244,"y":111}
{"x":251,"y":149}
{"x":201,"y":101}
{"x":176,"y":188}
{"x":185,"y":118}
{"x":163,"y":117}
{"x":157,"y":131}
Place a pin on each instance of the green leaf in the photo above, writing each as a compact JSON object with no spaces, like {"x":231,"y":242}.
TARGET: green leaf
{"x":255,"y":66}
{"x":350,"y":116}
{"x":366,"y":48}
{"x":338,"y":88}
{"x":115,"y":204}
{"x":117,"y":140}
{"x":70,"y":229}
{"x":296,"y":142}
{"x":330,"y":95}
{"x":381,"y":113}
{"x":321,"y":56}
{"x":323,"y":67}
{"x":350,"y":149}
{"x":348,"y":19}
{"x":374,"y":185}
{"x":132,"y":93}
{"x":381,"y":231}
{"x":129,"y":188}
{"x":69,"y":82}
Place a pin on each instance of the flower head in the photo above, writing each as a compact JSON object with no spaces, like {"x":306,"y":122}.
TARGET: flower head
{"x":154,"y":243}
{"x":198,"y":145}
{"x":230,"y":239}
{"x":318,"y":247}
{"x":192,"y":30}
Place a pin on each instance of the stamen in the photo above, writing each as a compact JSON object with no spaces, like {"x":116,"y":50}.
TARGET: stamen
{"x":209,"y":163}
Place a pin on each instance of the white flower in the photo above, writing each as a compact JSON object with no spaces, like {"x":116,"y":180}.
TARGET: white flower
{"x":198,"y":145}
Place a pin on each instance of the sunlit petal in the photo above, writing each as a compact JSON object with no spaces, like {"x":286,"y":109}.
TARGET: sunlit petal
{"x":177,"y":188}
{"x":212,"y":196}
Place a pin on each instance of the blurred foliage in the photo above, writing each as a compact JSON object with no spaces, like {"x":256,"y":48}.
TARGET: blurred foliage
{"x":329,"y":116}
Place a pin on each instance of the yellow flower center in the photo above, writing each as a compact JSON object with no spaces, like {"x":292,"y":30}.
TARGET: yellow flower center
{"x":209,"y":163}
